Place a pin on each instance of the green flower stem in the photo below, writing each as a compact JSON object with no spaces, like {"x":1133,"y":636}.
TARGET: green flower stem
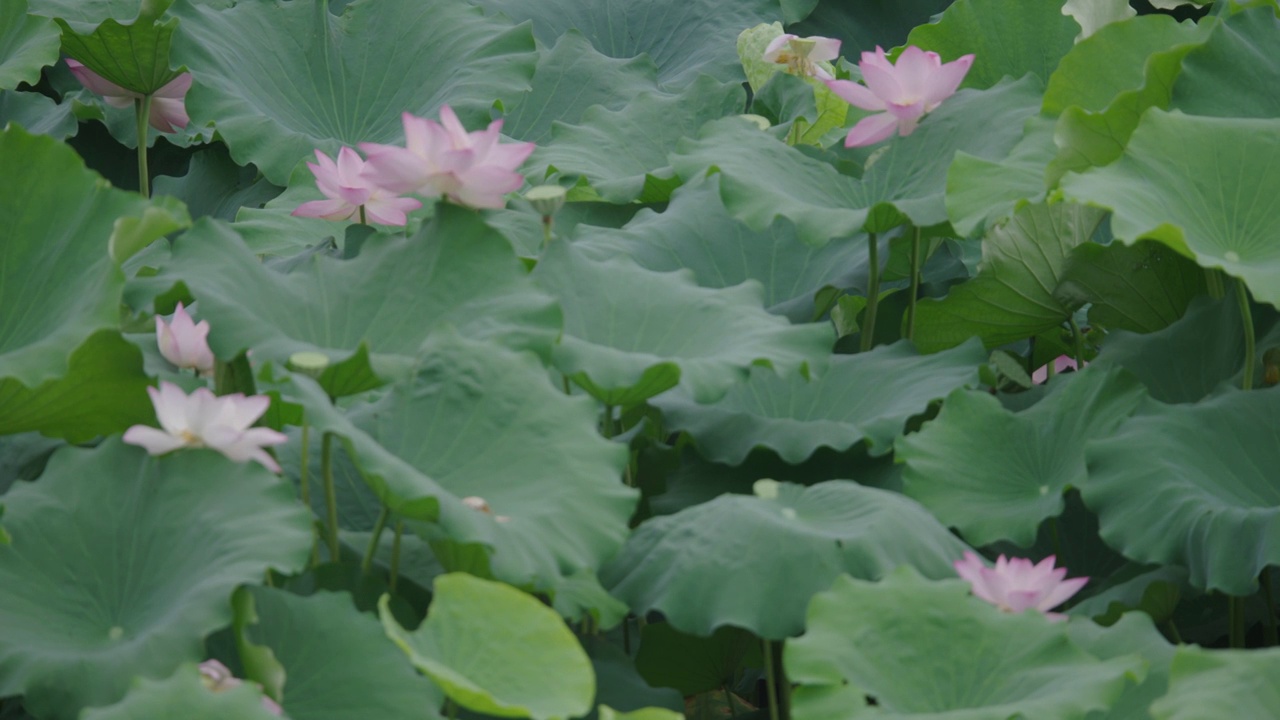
{"x":142,"y":114}
{"x":606,"y":427}
{"x":378,"y":525}
{"x":1077,"y":338}
{"x":546,"y":231}
{"x":304,"y":477}
{"x":1213,"y":279}
{"x":395,"y":557}
{"x":1250,"y":342}
{"x":728,"y":698}
{"x":1270,"y":628}
{"x":1235,"y":621}
{"x":1173,"y":631}
{"x":363,"y":219}
{"x":770,"y":681}
{"x":873,"y":293}
{"x":330,"y":495}
{"x":915,"y":284}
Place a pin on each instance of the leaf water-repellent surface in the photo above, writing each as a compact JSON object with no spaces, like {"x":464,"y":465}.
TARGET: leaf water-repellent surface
{"x":616,"y":360}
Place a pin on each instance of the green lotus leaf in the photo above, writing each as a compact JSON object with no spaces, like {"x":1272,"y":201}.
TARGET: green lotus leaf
{"x":685,"y":38}
{"x":619,"y":685}
{"x":1211,"y":201}
{"x":1012,"y":297}
{"x":631,"y":333}
{"x":1220,"y":77}
{"x":29,"y":44}
{"x":1203,"y":682}
{"x":125,"y":41}
{"x":866,"y":397}
{"x":754,"y":562}
{"x":1202,"y":471}
{"x":498,"y":651}
{"x":37,"y":114}
{"x":608,"y":713}
{"x":763,"y":178}
{"x":1093,"y":15}
{"x":690,"y":664}
{"x":455,"y":272}
{"x":982,"y":193}
{"x":151,"y":699}
{"x":697,"y":233}
{"x":571,"y":77}
{"x":214,"y":186}
{"x":581,"y":596}
{"x":153,"y":572}
{"x":1007,"y":40}
{"x":337,"y":660}
{"x":623,"y":153}
{"x":927,"y":649}
{"x":863,"y":24}
{"x":994,"y":474}
{"x":341,"y":80}
{"x":1143,"y":287}
{"x":478,"y":420}
{"x":1133,"y":633}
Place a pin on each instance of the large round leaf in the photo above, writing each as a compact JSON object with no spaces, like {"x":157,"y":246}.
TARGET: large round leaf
{"x":927,"y":649}
{"x":337,"y":661}
{"x":478,"y":420}
{"x":685,"y":38}
{"x":121,"y":563}
{"x":498,"y":651}
{"x":982,"y":193}
{"x":151,"y":699}
{"x":865,"y":397}
{"x":1204,"y":682}
{"x":1192,"y":486}
{"x":995,"y":474}
{"x":125,"y":41}
{"x":455,"y":272}
{"x":1211,"y":200}
{"x":1142,"y":288}
{"x":631,"y":333}
{"x":320,"y":81}
{"x":754,"y":562}
{"x":27,"y":44}
{"x":1221,"y":77}
{"x":1134,"y":632}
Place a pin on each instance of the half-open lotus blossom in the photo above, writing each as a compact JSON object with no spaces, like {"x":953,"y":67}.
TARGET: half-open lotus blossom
{"x":347,"y":191}
{"x":1060,"y":363}
{"x":472,"y":169}
{"x":917,"y":84}
{"x":217,"y":677}
{"x":203,"y":419}
{"x":168,"y":105}
{"x":802,"y":55}
{"x":184,"y":342}
{"x":1015,"y":584}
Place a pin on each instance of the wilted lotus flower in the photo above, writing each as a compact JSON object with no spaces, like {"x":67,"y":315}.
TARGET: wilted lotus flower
{"x":802,"y":55}
{"x":203,"y":419}
{"x":168,"y":110}
{"x":217,"y":678}
{"x":184,"y":343}
{"x":905,"y":92}
{"x":1016,"y":584}
{"x":348,"y":191}
{"x":472,"y":169}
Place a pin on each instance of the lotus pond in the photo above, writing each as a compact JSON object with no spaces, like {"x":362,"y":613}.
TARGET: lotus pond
{"x":639,"y":359}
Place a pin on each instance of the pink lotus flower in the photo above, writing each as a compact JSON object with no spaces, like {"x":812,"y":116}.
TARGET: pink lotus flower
{"x":802,"y":55}
{"x":1016,"y":584}
{"x":471,"y":169}
{"x":905,"y":92}
{"x":217,"y":677}
{"x":348,"y":191}
{"x":168,"y":108}
{"x":1060,"y":363}
{"x":203,"y":419}
{"x":184,"y":343}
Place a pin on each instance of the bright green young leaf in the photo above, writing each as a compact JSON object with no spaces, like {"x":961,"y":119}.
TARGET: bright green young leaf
{"x":1142,"y":288}
{"x":1093,"y":15}
{"x":608,"y":713}
{"x":214,"y":186}
{"x":1211,"y":201}
{"x":338,"y":662}
{"x":1007,"y":39}
{"x":495,"y":650}
{"x":1190,"y":485}
{"x":151,"y":699}
{"x":865,"y":397}
{"x":982,"y":193}
{"x":631,"y":333}
{"x":995,"y":474}
{"x":754,"y":562}
{"x":456,"y":272}
{"x":1204,"y":682}
{"x":927,"y":649}
{"x":1221,"y":77}
{"x":1012,"y":296}
{"x":28,"y":43}
{"x":763,"y":178}
{"x":570,"y":78}
{"x":325,"y":81}
{"x":685,"y":38}
{"x":155,"y":546}
{"x":478,"y":420}
{"x":623,"y":153}
{"x":697,"y":233}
